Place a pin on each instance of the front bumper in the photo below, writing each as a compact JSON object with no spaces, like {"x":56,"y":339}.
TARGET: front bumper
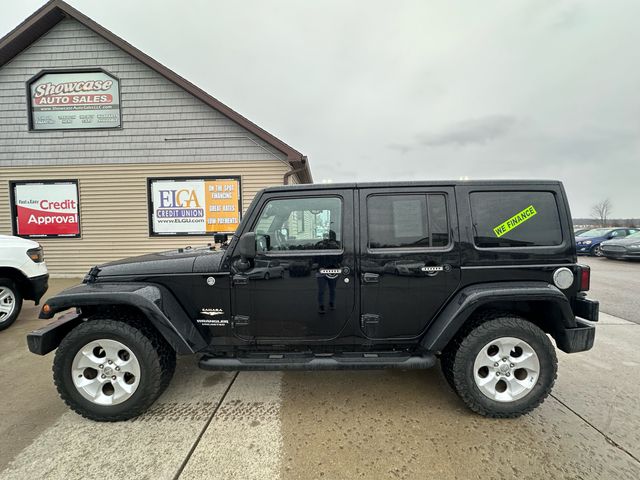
{"x":47,"y":339}
{"x":37,"y":287}
{"x":584,"y":249}
{"x":626,"y":254}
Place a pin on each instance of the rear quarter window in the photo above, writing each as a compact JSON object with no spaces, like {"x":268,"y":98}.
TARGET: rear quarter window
{"x":515,"y":219}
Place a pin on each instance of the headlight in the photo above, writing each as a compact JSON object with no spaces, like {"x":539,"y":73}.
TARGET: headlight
{"x":36,"y":254}
{"x":587,"y":242}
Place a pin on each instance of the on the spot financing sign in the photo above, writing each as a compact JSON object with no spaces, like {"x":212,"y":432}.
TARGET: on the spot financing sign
{"x":45,"y":209}
{"x":74,"y":100}
{"x":194,"y":206}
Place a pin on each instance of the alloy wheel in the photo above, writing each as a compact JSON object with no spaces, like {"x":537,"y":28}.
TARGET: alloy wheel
{"x":506,"y":369}
{"x":105,"y":372}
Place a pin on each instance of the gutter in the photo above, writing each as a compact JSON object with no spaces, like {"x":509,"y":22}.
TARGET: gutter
{"x":290,"y":173}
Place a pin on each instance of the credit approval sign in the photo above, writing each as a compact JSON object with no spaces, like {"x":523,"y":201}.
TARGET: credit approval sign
{"x":194,"y":206}
{"x":45,"y":208}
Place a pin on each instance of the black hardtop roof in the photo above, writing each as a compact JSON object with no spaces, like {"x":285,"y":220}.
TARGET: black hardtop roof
{"x":417,"y":183}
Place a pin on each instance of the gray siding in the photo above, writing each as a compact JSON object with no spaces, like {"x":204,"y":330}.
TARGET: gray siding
{"x":161,"y":122}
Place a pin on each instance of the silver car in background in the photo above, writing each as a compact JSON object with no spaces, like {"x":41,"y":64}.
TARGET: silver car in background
{"x":626,"y":248}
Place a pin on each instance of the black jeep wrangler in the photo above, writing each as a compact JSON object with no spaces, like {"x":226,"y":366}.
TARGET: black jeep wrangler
{"x":349,"y":276}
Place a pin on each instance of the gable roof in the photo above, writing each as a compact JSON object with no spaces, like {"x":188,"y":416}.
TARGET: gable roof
{"x":54,"y":11}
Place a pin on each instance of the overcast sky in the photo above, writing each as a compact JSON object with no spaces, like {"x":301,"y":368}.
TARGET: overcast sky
{"x":379,"y":90}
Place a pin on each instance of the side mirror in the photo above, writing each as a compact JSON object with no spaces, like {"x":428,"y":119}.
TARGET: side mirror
{"x":247,"y":246}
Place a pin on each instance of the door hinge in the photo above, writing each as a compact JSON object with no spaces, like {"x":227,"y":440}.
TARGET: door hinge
{"x":369,"y":319}
{"x":240,"y":320}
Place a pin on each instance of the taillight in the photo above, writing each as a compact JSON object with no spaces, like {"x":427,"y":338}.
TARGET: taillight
{"x":585,"y":278}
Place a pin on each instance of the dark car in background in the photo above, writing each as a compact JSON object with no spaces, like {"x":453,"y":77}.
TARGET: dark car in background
{"x":627,"y":248}
{"x":589,"y":243}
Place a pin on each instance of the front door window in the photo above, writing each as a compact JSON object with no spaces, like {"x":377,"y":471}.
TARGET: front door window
{"x":300,"y":225}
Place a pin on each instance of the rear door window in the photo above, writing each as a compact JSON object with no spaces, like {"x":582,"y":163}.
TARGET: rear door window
{"x":515,"y":219}
{"x":407,"y":221}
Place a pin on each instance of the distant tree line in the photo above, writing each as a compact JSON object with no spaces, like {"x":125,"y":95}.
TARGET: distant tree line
{"x":601,"y":212}
{"x":611,"y":222}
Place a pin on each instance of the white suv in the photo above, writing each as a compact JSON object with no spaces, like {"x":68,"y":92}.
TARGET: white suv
{"x":23,"y":276}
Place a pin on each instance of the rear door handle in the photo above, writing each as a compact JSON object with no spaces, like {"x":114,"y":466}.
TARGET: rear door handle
{"x":240,"y":280}
{"x":434,"y":270}
{"x":370,"y":277}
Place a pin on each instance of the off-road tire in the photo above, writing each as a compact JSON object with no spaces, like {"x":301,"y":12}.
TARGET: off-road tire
{"x":165,"y":351}
{"x":17,"y":299}
{"x":448,"y":355}
{"x":446,"y":364}
{"x":459,"y":366}
{"x":151,"y":370}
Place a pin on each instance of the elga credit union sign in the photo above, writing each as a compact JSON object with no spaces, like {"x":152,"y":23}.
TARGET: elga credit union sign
{"x":74,"y":100}
{"x":194,"y":206}
{"x":45,"y":209}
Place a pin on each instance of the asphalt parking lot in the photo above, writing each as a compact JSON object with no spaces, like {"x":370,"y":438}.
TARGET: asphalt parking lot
{"x":335,"y":425}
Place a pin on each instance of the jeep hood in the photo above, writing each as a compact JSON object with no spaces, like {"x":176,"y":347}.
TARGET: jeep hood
{"x":186,"y":260}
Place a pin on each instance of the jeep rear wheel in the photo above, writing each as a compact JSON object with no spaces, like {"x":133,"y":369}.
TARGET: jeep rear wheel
{"x":504,"y":367}
{"x":10,"y":303}
{"x":107,"y":370}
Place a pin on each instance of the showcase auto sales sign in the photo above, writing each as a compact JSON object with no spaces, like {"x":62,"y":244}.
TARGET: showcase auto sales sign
{"x":72,"y":100}
{"x":46,"y":209}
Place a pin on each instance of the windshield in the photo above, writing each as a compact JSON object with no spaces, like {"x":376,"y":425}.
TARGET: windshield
{"x":635,"y":236}
{"x":596,"y":232}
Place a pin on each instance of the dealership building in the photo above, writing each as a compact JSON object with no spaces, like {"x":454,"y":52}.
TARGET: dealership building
{"x":106,"y":153}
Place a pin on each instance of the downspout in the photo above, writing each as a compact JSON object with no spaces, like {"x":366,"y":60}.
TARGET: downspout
{"x":290,"y":173}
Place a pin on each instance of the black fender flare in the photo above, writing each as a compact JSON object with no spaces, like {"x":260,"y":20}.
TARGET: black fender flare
{"x":449,"y":321}
{"x":157,"y":303}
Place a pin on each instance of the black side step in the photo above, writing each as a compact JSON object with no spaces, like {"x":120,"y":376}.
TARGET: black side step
{"x":319,"y":362}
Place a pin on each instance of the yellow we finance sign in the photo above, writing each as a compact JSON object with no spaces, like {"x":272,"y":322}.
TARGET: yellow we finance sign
{"x":518,"y":219}
{"x":222,"y":205}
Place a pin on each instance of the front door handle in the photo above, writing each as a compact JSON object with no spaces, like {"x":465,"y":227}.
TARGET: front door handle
{"x":330,"y":272}
{"x":370,"y":277}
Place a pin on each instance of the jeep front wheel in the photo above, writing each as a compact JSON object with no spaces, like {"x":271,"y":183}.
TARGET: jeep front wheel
{"x":107,"y":370}
{"x":504,"y":367}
